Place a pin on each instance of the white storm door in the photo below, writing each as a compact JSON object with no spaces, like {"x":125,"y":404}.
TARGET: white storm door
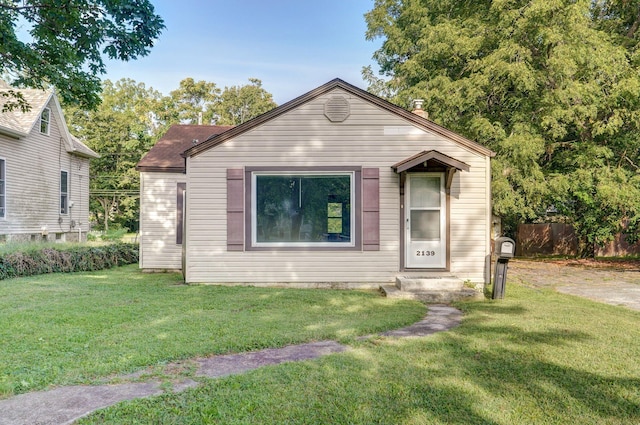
{"x":425,"y":221}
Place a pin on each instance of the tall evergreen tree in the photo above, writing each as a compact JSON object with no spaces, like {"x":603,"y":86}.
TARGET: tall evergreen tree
{"x":551,"y":85}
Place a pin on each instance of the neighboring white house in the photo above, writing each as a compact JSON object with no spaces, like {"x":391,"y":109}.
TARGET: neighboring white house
{"x":44,"y":172}
{"x":334,"y":188}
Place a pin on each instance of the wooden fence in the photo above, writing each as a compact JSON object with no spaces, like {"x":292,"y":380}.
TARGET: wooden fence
{"x":560,"y":239}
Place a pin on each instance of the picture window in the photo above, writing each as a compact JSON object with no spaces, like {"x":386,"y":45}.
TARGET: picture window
{"x":313,"y":209}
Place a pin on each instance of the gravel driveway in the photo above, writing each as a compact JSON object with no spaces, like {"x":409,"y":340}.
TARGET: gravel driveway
{"x":616,"y":285}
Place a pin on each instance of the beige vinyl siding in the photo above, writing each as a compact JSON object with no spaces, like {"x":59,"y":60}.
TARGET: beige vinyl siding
{"x":304,"y":137}
{"x":33,"y":166}
{"x":158,"y":248}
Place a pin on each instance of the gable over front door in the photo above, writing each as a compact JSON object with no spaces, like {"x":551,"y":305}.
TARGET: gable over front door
{"x":425,"y":182}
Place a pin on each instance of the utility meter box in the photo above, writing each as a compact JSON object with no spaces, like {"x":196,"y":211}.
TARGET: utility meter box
{"x":505,"y":247}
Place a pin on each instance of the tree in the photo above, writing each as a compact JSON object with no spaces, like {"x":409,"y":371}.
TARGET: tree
{"x":126,"y":124}
{"x":121,"y":130}
{"x":191,"y":102}
{"x":67,"y":40}
{"x":238,"y":104}
{"x":551,"y":85}
{"x":203,"y":102}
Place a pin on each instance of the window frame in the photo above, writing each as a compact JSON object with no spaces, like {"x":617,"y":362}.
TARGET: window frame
{"x":251,"y":174}
{"x":47,"y":122}
{"x":181,"y":189}
{"x":3,"y":188}
{"x":65,"y":210}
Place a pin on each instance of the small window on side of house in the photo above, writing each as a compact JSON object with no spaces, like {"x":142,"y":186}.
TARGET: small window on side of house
{"x":64,"y":192}
{"x":3,"y":189}
{"x":45,"y":121}
{"x":181,"y":189}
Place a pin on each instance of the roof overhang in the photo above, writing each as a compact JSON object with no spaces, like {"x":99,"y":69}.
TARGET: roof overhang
{"x":451,"y":165}
{"x":426,"y":156}
{"x":13,"y":133}
{"x":160,"y":169}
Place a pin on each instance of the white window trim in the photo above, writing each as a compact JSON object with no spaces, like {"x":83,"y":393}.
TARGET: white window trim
{"x":4,"y":178}
{"x":254,"y":203}
{"x":48,"y":132}
{"x":60,"y":190}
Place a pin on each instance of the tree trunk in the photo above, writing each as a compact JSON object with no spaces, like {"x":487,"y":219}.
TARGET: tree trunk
{"x":107,"y":205}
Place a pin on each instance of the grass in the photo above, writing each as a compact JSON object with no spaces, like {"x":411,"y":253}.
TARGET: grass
{"x":537,"y":357}
{"x":63,"y":329}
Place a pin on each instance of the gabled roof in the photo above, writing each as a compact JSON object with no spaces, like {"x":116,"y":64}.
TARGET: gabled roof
{"x":18,"y":124}
{"x":414,"y":119}
{"x":80,"y":149}
{"x":425,"y":156}
{"x":164,"y":156}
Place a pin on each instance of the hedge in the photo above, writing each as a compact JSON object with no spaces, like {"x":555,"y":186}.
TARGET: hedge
{"x":71,"y":259}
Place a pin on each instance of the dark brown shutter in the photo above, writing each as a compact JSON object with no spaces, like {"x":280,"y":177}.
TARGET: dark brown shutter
{"x":180,"y":212}
{"x":235,"y":210}
{"x":370,"y":209}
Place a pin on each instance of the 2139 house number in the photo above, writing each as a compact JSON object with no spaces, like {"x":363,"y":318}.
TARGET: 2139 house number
{"x":425,"y":253}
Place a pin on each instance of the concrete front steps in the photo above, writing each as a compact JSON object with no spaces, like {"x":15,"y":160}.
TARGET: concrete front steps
{"x":437,"y":289}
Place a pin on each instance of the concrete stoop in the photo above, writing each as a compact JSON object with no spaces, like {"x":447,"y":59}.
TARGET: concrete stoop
{"x":440,"y":289}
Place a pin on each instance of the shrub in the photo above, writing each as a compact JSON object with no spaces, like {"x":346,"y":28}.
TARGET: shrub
{"x":114,"y":235}
{"x":69,"y":259}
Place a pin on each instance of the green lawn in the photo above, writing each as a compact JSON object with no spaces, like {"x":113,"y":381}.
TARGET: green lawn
{"x":537,"y":357}
{"x":62,"y":329}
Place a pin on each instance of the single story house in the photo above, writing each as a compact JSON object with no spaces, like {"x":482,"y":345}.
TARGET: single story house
{"x":44,"y":172}
{"x":335,"y":188}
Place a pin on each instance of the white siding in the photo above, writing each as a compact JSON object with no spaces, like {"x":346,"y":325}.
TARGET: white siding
{"x":158,"y":248}
{"x":304,"y":137}
{"x":33,"y":166}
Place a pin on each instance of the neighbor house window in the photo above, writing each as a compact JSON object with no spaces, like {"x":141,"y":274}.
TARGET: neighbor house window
{"x":64,"y":192}
{"x":3,"y":189}
{"x":45,"y":120}
{"x":303,"y":209}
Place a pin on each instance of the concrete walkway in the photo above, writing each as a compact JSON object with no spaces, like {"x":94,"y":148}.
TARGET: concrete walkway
{"x":64,"y":405}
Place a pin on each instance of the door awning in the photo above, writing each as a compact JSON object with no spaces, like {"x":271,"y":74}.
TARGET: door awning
{"x":429,"y":156}
{"x":432,"y":158}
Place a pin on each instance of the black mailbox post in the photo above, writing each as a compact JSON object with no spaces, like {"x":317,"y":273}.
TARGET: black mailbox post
{"x":505,"y":248}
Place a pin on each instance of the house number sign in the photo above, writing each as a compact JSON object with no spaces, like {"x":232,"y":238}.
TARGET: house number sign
{"x":425,"y":253}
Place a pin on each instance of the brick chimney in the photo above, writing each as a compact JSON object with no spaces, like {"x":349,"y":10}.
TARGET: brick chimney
{"x":417,"y":108}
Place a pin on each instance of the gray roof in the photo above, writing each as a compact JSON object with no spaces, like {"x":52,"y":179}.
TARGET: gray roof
{"x":23,"y":122}
{"x":19,"y":124}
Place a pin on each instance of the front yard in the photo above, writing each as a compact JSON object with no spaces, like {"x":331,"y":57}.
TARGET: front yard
{"x":537,"y":357}
{"x":62,"y":329}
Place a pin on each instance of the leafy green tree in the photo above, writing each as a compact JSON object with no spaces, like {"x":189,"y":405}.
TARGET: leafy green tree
{"x":191,"y":102}
{"x":551,"y":85}
{"x":67,"y":39}
{"x":238,"y":104}
{"x":125,"y":125}
{"x":203,"y":102}
{"x":121,"y":130}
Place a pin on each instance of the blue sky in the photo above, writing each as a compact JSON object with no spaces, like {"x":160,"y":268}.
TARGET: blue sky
{"x":293,"y":46}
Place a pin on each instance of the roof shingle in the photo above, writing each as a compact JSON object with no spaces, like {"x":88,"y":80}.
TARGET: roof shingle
{"x":165,"y":155}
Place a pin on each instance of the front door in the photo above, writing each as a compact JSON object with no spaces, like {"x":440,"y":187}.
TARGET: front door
{"x":425,"y":221}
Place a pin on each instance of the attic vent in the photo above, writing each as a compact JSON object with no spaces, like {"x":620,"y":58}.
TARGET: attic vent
{"x":337,"y":109}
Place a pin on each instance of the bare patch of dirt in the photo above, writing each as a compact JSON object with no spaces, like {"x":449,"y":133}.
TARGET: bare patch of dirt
{"x":603,"y":264}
